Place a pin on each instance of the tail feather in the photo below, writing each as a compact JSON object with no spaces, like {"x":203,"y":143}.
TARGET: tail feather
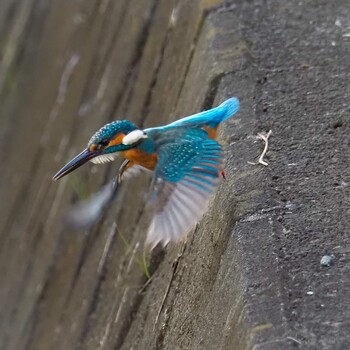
{"x":229,"y":108}
{"x":212,"y":117}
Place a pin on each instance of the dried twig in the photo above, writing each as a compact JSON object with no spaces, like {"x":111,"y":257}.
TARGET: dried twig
{"x":295,"y":340}
{"x":265,"y":138}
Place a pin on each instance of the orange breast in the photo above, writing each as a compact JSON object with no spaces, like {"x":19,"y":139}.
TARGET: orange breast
{"x":142,"y":158}
{"x":148,"y":160}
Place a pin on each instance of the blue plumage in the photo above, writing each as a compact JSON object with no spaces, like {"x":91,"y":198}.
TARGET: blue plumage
{"x":186,"y":174}
{"x":185,"y":159}
{"x":178,"y":150}
{"x":212,"y":117}
{"x":111,"y":129}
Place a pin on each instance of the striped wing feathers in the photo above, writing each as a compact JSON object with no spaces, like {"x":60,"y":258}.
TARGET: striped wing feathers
{"x":185,"y":177}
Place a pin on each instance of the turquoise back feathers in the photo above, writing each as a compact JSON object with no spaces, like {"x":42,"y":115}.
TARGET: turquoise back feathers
{"x":187,"y":173}
{"x":212,"y":117}
{"x":185,"y":160}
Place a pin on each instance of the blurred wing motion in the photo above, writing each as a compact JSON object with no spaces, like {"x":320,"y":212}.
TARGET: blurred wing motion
{"x":86,"y":213}
{"x":186,"y":175}
{"x":133,"y":171}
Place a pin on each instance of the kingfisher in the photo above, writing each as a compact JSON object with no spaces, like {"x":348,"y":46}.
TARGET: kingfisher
{"x":184,"y":158}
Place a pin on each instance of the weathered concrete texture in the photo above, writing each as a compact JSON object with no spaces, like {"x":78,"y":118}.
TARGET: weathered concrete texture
{"x":249,"y":276}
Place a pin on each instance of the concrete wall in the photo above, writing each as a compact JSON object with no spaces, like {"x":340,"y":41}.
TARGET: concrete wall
{"x":249,"y":276}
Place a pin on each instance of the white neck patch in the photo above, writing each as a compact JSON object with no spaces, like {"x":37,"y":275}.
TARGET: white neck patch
{"x":104,"y":158}
{"x":133,"y":137}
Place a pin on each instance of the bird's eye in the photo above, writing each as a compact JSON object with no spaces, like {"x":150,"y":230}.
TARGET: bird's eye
{"x":102,"y":144}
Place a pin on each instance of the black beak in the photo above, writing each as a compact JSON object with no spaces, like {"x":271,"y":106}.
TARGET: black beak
{"x":75,"y":163}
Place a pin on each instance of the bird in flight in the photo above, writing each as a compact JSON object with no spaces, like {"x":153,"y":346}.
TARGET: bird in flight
{"x":185,"y":161}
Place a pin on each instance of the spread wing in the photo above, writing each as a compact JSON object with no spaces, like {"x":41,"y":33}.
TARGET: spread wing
{"x":187,"y":173}
{"x":86,"y":213}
